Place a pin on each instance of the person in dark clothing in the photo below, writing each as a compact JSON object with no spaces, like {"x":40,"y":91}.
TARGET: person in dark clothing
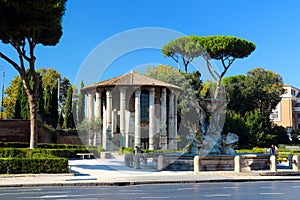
{"x":272,"y":149}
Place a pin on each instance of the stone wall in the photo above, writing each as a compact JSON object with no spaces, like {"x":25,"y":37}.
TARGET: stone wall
{"x":14,"y":130}
{"x":19,"y":131}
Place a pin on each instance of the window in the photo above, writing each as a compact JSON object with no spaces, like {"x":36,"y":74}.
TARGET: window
{"x":298,"y":115}
{"x":298,"y":127}
{"x":285,"y":91}
{"x":293,"y":92}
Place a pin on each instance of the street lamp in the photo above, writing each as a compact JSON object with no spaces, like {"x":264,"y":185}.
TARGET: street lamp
{"x":2,"y":105}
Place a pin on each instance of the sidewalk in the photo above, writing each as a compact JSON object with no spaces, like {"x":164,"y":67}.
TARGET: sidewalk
{"x":114,"y":172}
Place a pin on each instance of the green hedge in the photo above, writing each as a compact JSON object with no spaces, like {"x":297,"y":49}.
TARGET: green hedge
{"x":40,"y":145}
{"x":64,"y":153}
{"x":33,"y":165}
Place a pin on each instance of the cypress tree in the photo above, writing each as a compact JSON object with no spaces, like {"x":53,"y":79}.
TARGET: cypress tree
{"x":47,"y":105}
{"x":61,"y":119}
{"x":41,"y":102}
{"x":22,"y":105}
{"x":54,"y":109}
{"x":81,"y":105}
{"x":18,"y":102}
{"x":69,"y":121}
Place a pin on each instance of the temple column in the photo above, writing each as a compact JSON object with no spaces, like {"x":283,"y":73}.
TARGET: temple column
{"x":98,"y":136}
{"x":98,"y":105}
{"x":108,"y":118}
{"x":137,"y":121}
{"x":171,"y":120}
{"x":175,"y":120}
{"x":163,"y":119}
{"x":122,"y":115}
{"x":91,"y":134}
{"x":151,"y":119}
{"x":91,"y":98}
{"x":114,"y":121}
{"x":104,"y":136}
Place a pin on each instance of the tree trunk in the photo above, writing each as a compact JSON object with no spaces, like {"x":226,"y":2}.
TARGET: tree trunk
{"x":32,"y":100}
{"x":33,"y":122}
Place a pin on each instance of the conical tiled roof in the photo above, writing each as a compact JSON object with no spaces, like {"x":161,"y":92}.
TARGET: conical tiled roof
{"x":131,"y":79}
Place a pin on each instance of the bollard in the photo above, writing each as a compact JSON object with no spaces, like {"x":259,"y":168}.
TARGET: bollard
{"x":296,"y":164}
{"x":197,"y":164}
{"x":273,"y":165}
{"x":237,"y":164}
{"x":160,"y":162}
{"x":145,"y":158}
{"x":137,"y":161}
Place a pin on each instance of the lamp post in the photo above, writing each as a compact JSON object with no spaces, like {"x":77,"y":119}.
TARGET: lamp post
{"x":2,"y":105}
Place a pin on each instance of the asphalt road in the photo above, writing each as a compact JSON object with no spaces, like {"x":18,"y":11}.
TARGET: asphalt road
{"x":224,"y":191}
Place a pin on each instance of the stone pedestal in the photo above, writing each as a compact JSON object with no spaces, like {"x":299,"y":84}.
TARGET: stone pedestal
{"x":237,"y":164}
{"x":296,"y":164}
{"x":273,"y":163}
{"x":160,"y":163}
{"x":197,"y":164}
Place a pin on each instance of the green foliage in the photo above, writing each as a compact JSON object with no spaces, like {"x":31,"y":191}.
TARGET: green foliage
{"x":235,"y":94}
{"x":69,"y":120}
{"x":234,"y":123}
{"x":39,"y":20}
{"x":22,"y":105}
{"x":65,"y":84}
{"x":81,"y":106}
{"x":41,"y":102}
{"x":264,"y":88}
{"x":260,"y":129}
{"x":225,"y":48}
{"x":23,"y":25}
{"x":47,"y":150}
{"x":125,"y":150}
{"x":48,"y":105}
{"x":54,"y":102}
{"x":33,"y":165}
{"x":11,"y":97}
{"x":185,"y":47}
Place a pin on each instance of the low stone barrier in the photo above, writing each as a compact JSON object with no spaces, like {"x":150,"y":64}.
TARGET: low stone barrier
{"x":255,"y":162}
{"x":222,"y":162}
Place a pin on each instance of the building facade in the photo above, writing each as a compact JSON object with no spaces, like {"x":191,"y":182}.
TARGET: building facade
{"x":136,"y":111}
{"x":287,"y":112}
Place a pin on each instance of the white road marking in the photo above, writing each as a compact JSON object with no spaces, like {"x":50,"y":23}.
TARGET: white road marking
{"x":131,"y":193}
{"x":265,"y":187}
{"x":230,"y":187}
{"x":218,"y":195}
{"x":296,"y":186}
{"x":185,"y":188}
{"x":270,"y":193}
{"x":130,"y":190}
{"x":155,"y":197}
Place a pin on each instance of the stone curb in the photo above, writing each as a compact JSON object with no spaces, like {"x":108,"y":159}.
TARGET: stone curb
{"x":34,"y":175}
{"x":128,"y":183}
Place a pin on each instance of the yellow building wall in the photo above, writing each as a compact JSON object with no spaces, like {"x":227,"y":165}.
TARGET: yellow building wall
{"x":286,"y":114}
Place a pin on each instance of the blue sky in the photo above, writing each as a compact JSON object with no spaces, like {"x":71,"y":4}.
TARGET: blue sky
{"x":273,"y":25}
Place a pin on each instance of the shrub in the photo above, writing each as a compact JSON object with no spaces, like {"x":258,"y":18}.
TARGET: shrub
{"x":33,"y":165}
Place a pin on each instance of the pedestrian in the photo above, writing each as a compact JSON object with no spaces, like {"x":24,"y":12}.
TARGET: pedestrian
{"x":272,"y":149}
